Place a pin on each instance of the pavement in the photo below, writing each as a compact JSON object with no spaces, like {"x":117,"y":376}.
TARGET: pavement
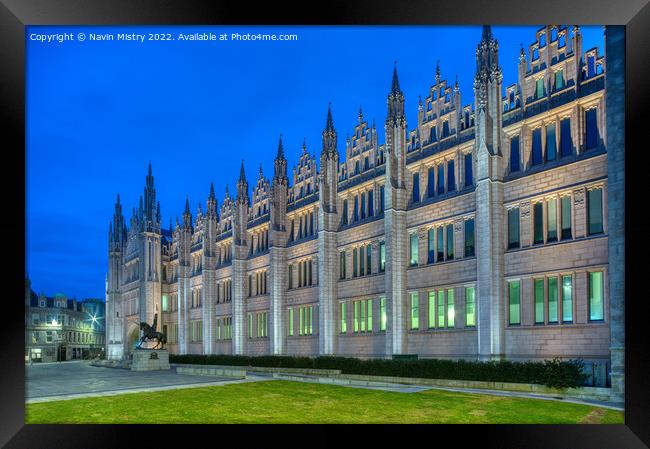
{"x":73,"y":380}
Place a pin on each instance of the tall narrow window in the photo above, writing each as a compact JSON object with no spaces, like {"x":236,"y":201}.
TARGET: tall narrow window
{"x":551,"y":148}
{"x":591,"y":128}
{"x":469,"y":173}
{"x":369,"y":317}
{"x":445,"y":128}
{"x":440,"y":246}
{"x":538,"y":217}
{"x":514,"y":303}
{"x":451,"y":311}
{"x":441,"y":179}
{"x":539,"y":301}
{"x":433,"y":137}
{"x":344,"y":324}
{"x":382,"y":313}
{"x":342,"y":265}
{"x":451,"y":177}
{"x":354,"y":263}
{"x":363,"y":205}
{"x":290,"y":321}
{"x":362,"y":316}
{"x":431,"y":254}
{"x":559,"y":80}
{"x":356,"y":209}
{"x":441,"y":308}
{"x":470,"y":306}
{"x":250,"y":325}
{"x":469,"y":237}
{"x":539,"y":88}
{"x":356,"y":316}
{"x":596,"y":304}
{"x":382,"y":201}
{"x":345,"y":212}
{"x":565,"y":203}
{"x":416,"y":188}
{"x":382,"y":256}
{"x":595,"y":207}
{"x":368,"y":259}
{"x":431,"y":187}
{"x":551,"y":220}
{"x":513,"y":228}
{"x":567,"y":299}
{"x":566,"y":144}
{"x":514,"y":155}
{"x":415,"y":312}
{"x":537,"y":147}
{"x":450,"y":241}
{"x":414,"y":249}
{"x":431,"y":309}
{"x":290,"y":276}
{"x":362,"y":259}
{"x":371,"y":203}
{"x":552,"y":300}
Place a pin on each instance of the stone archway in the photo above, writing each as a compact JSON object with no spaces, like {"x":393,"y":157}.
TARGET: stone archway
{"x":132,"y":338}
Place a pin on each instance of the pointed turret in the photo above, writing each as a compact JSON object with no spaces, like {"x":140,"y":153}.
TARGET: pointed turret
{"x":329,"y":135}
{"x":487,"y":89}
{"x":438,"y":71}
{"x":150,"y":212}
{"x":187,"y":215}
{"x":360,"y":114}
{"x":212,"y":202}
{"x":280,"y":163}
{"x":395,"y":102}
{"x":395,"y":89}
{"x":242,"y":186}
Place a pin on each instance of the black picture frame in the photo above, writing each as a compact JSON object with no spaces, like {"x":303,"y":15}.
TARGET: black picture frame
{"x":16,"y":14}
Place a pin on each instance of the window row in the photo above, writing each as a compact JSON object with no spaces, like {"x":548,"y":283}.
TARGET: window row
{"x":196,"y":331}
{"x":363,"y":207}
{"x":262,"y":323}
{"x":435,"y":177}
{"x":196,"y":299}
{"x":259,"y":242}
{"x":553,"y":299}
{"x":224,"y":328}
{"x":554,"y":140}
{"x":552,"y":219}
{"x":305,"y":274}
{"x":305,"y":320}
{"x":224,"y":291}
{"x":260,"y":287}
{"x":306,"y":225}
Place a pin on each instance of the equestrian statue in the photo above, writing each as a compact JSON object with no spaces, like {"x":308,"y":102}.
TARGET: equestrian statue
{"x":150,"y":333}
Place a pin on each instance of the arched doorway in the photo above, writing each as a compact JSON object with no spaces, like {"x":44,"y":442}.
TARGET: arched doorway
{"x":133,"y":336}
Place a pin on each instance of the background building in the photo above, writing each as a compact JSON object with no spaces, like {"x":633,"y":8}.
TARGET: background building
{"x":480,"y":233}
{"x":60,"y":329}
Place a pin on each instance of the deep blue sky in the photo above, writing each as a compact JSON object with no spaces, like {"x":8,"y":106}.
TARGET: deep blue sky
{"x":98,"y":112}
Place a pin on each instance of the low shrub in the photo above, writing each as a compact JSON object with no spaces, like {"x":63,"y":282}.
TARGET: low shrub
{"x":552,"y":373}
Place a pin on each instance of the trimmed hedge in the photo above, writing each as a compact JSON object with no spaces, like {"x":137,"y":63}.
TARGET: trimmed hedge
{"x":552,"y":373}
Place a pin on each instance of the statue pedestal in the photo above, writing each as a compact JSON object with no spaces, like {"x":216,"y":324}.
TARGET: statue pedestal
{"x":150,"y":360}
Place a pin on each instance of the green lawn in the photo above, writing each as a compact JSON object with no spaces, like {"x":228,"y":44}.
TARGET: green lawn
{"x":294,"y":402}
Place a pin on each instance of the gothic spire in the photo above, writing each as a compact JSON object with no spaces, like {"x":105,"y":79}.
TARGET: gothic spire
{"x":395,"y":86}
{"x":360,"y":114}
{"x":438,"y":71}
{"x":242,"y":174}
{"x":280,"y":163}
{"x":187,"y":205}
{"x":242,"y":186}
{"x":211,"y":196}
{"x":187,"y":215}
{"x":280,"y":149}
{"x":329,"y":125}
{"x":329,"y":134}
{"x":395,"y":102}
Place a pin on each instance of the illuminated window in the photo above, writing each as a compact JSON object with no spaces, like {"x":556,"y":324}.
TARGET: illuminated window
{"x":344,"y":324}
{"x":595,"y":209}
{"x":432,"y":309}
{"x":382,"y":313}
{"x":596,"y":302}
{"x":470,"y":306}
{"x":450,"y":307}
{"x":539,"y":301}
{"x":414,"y":249}
{"x":415,"y":312}
{"x":514,"y":299}
{"x":567,"y":299}
{"x":552,"y":300}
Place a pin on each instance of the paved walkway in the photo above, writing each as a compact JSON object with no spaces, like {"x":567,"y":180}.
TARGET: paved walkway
{"x":74,"y":380}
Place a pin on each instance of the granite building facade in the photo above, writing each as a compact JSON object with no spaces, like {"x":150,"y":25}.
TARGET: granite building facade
{"x":479,"y":233}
